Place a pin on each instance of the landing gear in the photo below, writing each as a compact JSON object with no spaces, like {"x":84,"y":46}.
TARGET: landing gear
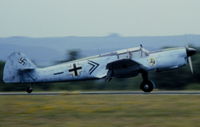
{"x":29,"y":89}
{"x":146,"y":85}
{"x":109,"y":76}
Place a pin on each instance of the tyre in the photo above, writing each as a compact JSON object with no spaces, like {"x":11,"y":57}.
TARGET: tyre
{"x":29,"y":90}
{"x":147,"y":86}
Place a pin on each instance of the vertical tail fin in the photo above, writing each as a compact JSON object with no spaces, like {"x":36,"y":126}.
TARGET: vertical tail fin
{"x":16,"y":63}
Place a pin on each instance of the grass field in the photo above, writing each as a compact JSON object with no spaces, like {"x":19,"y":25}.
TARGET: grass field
{"x":100,"y":111}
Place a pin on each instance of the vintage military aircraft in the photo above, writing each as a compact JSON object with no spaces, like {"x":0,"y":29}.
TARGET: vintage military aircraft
{"x":120,"y":64}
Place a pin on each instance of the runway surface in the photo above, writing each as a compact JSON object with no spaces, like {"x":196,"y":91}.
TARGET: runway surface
{"x":105,"y":92}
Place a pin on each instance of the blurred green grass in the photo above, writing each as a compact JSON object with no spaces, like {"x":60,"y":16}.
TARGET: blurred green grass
{"x":100,"y":111}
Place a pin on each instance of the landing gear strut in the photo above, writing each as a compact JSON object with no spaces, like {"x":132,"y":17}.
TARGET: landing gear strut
{"x":29,"y":89}
{"x":146,"y":85}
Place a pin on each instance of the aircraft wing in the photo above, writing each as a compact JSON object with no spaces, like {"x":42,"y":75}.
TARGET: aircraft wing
{"x":123,"y":68}
{"x":121,"y":64}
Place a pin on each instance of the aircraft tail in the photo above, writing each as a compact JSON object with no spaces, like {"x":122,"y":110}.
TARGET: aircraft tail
{"x":16,"y":63}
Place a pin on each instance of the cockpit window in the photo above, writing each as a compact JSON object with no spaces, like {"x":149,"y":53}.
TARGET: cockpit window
{"x":140,"y":53}
{"x":137,"y":54}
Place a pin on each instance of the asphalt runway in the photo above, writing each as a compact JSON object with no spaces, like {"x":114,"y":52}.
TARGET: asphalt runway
{"x":105,"y":93}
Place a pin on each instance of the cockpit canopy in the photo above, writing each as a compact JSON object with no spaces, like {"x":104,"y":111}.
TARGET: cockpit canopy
{"x":131,"y":52}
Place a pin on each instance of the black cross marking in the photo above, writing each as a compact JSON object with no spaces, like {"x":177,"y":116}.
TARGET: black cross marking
{"x":58,"y":73}
{"x":75,"y":69}
{"x":94,"y":66}
{"x":22,"y":61}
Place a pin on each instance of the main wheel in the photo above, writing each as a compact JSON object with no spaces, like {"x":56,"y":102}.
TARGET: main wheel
{"x":29,"y":89}
{"x":147,"y":86}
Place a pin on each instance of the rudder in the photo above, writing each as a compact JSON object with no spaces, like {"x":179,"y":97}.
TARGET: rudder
{"x":17,"y":62}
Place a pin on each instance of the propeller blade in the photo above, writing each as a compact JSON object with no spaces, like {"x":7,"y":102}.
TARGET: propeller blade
{"x":190,"y":64}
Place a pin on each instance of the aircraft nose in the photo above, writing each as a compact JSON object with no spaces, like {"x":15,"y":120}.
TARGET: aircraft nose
{"x":191,"y":51}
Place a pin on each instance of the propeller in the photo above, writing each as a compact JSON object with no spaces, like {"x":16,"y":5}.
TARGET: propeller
{"x":190,"y":52}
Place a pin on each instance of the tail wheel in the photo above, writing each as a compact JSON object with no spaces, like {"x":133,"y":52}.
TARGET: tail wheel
{"x":147,"y":86}
{"x":29,"y":89}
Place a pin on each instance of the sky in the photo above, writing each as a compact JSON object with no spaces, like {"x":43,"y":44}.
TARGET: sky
{"x":56,"y":18}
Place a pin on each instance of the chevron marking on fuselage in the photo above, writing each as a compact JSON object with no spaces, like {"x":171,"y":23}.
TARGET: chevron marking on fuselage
{"x":94,"y":66}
